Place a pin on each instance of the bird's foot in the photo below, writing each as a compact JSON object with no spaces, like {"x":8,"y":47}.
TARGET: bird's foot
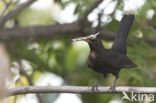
{"x":112,"y":89}
{"x":94,"y":87}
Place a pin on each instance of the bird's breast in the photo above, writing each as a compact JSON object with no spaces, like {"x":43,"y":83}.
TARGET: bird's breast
{"x":92,"y":55}
{"x":91,"y":59}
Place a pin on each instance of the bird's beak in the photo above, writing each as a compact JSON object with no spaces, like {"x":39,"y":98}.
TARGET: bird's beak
{"x":82,"y":39}
{"x":88,"y":40}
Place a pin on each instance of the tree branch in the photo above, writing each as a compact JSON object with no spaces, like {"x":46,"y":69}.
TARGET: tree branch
{"x":92,"y":7}
{"x":152,"y":41}
{"x":15,"y":12}
{"x":13,"y":48}
{"x":7,"y":4}
{"x":78,"y":90}
{"x":28,"y":78}
{"x":71,"y":30}
{"x":39,"y":32}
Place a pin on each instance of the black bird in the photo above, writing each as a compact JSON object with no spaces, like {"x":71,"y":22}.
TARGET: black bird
{"x":111,"y":60}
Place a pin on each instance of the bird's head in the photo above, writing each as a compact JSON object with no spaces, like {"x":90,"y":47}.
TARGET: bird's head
{"x":94,"y":42}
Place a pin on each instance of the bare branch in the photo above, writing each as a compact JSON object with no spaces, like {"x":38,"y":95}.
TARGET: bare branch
{"x":78,"y":90}
{"x":28,"y":78}
{"x":71,"y":30}
{"x":7,"y":4}
{"x":116,"y":6}
{"x":15,"y":12}
{"x":24,"y":72}
{"x":152,"y":41}
{"x":92,"y":7}
{"x":12,"y":49}
{"x":40,"y":32}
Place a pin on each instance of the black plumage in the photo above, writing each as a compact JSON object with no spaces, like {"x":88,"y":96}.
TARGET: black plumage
{"x":111,"y":60}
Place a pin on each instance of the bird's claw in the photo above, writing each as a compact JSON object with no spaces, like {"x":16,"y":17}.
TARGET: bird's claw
{"x":112,"y":89}
{"x":94,"y":87}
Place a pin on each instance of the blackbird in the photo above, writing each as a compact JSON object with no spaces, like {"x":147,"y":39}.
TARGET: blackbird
{"x":111,"y":60}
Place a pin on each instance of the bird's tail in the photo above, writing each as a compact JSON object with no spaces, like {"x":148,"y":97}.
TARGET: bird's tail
{"x":120,"y":43}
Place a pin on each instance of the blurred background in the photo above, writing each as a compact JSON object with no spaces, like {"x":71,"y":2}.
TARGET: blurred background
{"x":62,"y":62}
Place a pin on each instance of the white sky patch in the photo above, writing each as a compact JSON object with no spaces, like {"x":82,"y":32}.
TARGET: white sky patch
{"x":95,"y":23}
{"x":110,"y":8}
{"x":42,"y":4}
{"x":62,"y":16}
{"x":67,"y":15}
{"x":105,"y":18}
{"x":133,"y":4}
{"x":64,"y":1}
{"x":56,"y":44}
{"x":93,"y":16}
{"x":21,"y":1}
{"x":49,"y":79}
{"x":118,"y":15}
{"x":103,"y":4}
{"x":115,"y":101}
{"x":33,"y":46}
{"x":68,"y":98}
{"x":29,"y":98}
{"x":150,"y":14}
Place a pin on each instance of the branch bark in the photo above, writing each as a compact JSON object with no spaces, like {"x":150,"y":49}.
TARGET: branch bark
{"x":92,"y":7}
{"x":13,"y":48}
{"x":15,"y":12}
{"x":71,"y":30}
{"x":39,"y":32}
{"x":29,"y":79}
{"x":79,"y":90}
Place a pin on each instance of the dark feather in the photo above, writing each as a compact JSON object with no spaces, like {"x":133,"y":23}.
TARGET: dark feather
{"x":120,"y":44}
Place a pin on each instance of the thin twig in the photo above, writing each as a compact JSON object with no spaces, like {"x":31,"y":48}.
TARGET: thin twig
{"x":12,"y":48}
{"x":92,"y":7}
{"x":99,"y":20}
{"x":15,"y":99}
{"x":100,"y":15}
{"x":79,"y":90}
{"x":7,"y":4}
{"x":116,"y":6}
{"x":24,"y":72}
{"x":28,"y":78}
{"x":15,"y":12}
{"x":4,"y":1}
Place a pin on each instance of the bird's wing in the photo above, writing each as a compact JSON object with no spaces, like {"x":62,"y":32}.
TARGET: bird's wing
{"x":127,"y":63}
{"x":116,"y":61}
{"x":120,"y":44}
{"x":121,"y":61}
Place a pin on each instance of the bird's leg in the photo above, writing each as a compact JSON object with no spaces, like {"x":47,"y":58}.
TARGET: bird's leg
{"x":112,"y":88}
{"x":94,"y":87}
